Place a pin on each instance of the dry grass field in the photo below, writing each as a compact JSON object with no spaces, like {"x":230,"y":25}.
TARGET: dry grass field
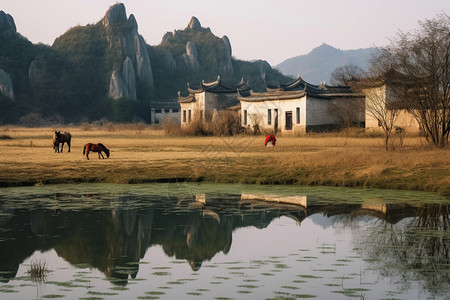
{"x":144,"y":154}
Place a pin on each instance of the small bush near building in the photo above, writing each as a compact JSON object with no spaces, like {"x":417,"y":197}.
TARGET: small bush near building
{"x":226,"y":124}
{"x":170,"y":127}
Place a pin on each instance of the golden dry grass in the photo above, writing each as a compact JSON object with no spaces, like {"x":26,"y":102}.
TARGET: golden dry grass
{"x":143,"y":154}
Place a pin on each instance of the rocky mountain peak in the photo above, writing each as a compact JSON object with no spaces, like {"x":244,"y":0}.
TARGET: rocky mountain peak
{"x":137,"y":65}
{"x":133,"y":23}
{"x":6,"y":22}
{"x":194,"y":24}
{"x":116,"y":14}
{"x":226,"y":40}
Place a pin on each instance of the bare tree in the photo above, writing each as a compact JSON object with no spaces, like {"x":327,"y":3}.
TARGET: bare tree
{"x":349,"y":112}
{"x":381,"y":103}
{"x":347,"y":74}
{"x":423,"y":57}
{"x":255,"y":119}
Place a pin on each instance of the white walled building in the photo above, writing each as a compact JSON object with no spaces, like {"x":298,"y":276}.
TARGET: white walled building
{"x":162,"y":110}
{"x":201,"y":103}
{"x":379,"y":93}
{"x":296,"y":107}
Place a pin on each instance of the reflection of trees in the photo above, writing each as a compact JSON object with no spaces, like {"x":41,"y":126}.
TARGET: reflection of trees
{"x":113,"y":238}
{"x":416,"y":248}
{"x":14,"y":248}
{"x":112,"y":241}
{"x":431,"y":219}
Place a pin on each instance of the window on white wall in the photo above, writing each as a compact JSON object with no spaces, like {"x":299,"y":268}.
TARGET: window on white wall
{"x":297,"y":115}
{"x":269,"y":117}
{"x":245,"y":117}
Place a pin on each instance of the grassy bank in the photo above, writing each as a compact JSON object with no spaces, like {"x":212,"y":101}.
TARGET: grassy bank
{"x":142,"y":154}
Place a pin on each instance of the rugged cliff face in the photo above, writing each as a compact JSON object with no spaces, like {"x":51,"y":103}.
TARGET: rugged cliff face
{"x":203,"y":51}
{"x":7,"y":22}
{"x":6,"y":85}
{"x":194,"y":54}
{"x":123,"y":85}
{"x":91,"y":71}
{"x":190,"y":57}
{"x":227,"y":66}
{"x":123,"y":37}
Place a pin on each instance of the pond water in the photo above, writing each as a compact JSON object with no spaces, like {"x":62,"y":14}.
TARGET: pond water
{"x":206,"y":241}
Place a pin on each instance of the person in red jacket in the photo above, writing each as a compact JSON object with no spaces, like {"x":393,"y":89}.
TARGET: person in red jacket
{"x":270,"y":138}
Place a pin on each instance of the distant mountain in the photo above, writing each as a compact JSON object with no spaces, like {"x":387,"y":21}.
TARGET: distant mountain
{"x":318,"y":65}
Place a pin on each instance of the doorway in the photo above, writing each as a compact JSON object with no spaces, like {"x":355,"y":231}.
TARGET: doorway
{"x":289,"y":120}
{"x":275,"y":125}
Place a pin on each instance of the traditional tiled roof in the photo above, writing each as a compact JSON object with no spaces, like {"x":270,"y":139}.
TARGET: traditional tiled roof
{"x":217,"y":86}
{"x":391,"y":76}
{"x":164,"y":103}
{"x":296,"y":89}
{"x":185,"y":99}
{"x":270,"y":95}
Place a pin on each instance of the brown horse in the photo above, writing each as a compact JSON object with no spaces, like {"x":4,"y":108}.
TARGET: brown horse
{"x":61,"y":138}
{"x":95,"y":148}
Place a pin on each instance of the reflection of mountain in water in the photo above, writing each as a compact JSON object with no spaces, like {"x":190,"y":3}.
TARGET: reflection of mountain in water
{"x":322,"y":220}
{"x":114,"y":240}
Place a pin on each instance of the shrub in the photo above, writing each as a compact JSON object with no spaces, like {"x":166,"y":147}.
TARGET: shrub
{"x":86,"y":126}
{"x":197,"y":127}
{"x":32,"y":120}
{"x":227,"y":123}
{"x":171,"y":128}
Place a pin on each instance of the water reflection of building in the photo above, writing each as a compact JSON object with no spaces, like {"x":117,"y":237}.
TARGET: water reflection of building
{"x":296,"y":200}
{"x":115,"y":239}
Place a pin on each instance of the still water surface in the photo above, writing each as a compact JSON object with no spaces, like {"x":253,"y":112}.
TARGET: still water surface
{"x":205,"y":241}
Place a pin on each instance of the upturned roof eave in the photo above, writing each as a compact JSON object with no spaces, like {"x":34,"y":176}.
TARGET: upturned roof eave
{"x":186,"y":99}
{"x":195,"y":91}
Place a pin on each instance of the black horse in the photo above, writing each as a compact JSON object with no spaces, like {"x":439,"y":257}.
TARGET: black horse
{"x":61,"y":138}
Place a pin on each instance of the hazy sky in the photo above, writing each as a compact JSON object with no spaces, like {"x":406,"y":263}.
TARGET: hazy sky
{"x":272,"y":30}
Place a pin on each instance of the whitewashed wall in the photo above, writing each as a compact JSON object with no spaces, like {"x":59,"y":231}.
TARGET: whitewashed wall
{"x":257,"y":112}
{"x":373,"y":94}
{"x":161,"y":117}
{"x":194,"y":108}
{"x":405,"y":120}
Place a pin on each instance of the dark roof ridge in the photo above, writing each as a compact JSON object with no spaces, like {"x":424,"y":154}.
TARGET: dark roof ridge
{"x":299,"y":84}
{"x":270,"y":96}
{"x":218,"y":86}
